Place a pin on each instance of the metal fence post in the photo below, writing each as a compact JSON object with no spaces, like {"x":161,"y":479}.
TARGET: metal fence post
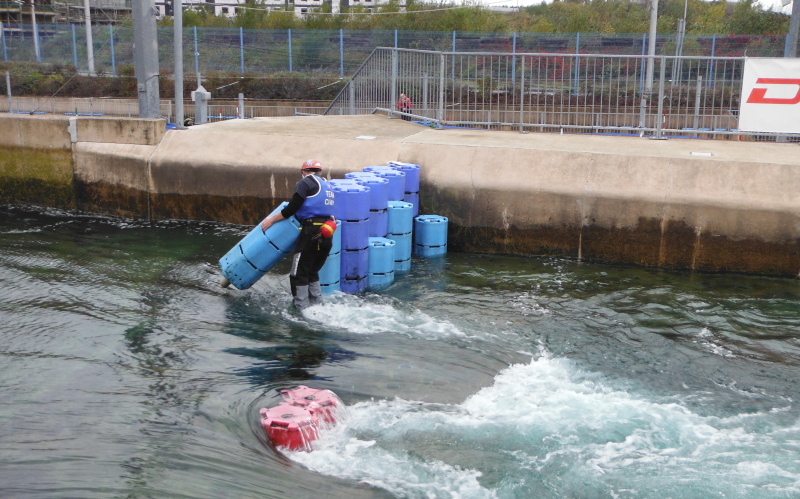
{"x":3,"y":36}
{"x":395,"y":38}
{"x":241,"y":48}
{"x":711,"y":62}
{"x":196,"y":57}
{"x":74,"y":48}
{"x":577,"y":62}
{"x":393,"y":82}
{"x":660,"y":118}
{"x":290,"y":50}
{"x":36,"y":42}
{"x":522,"y":94}
{"x":341,"y":53}
{"x":440,"y":110}
{"x":111,"y":46}
{"x":8,"y":90}
{"x":514,"y":58}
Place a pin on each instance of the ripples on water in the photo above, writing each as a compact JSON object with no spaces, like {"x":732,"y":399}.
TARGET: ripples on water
{"x":128,"y":372}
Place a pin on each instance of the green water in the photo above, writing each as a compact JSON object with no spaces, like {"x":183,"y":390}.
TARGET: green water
{"x":128,"y":372}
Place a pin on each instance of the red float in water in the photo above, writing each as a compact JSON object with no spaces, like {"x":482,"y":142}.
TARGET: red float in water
{"x":295,"y":422}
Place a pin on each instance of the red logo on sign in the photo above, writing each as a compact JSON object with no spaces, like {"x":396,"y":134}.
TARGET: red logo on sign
{"x":759,"y":95}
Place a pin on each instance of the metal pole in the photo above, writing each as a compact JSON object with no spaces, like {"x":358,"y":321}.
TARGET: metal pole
{"x":660,"y":118}
{"x":651,"y":52}
{"x":698,"y":91}
{"x":393,"y":82}
{"x":440,"y":110}
{"x":241,"y":106}
{"x":177,"y":14}
{"x":146,"y":58}
{"x":341,"y":53}
{"x":241,"y":47}
{"x":522,"y":95}
{"x":577,"y":60}
{"x":8,"y":89}
{"x":89,"y":45}
{"x":790,"y":50}
{"x":113,"y":56}
{"x":290,"y":50}
{"x":3,"y":36}
{"x":74,"y":48}
{"x":514,"y":57}
{"x":35,"y":32}
{"x":196,"y":57}
{"x":711,"y":62}
{"x":395,"y":38}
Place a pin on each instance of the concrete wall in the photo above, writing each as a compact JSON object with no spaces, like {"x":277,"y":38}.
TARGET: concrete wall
{"x":690,"y":204}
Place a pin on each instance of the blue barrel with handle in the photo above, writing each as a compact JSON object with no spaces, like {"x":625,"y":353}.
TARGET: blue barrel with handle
{"x":352,"y":200}
{"x":259,"y":251}
{"x":396,"y":178}
{"x":412,"y":172}
{"x":430,"y":233}
{"x":330,"y":273}
{"x":401,"y":217}
{"x":378,"y":188}
{"x":381,"y":255}
{"x":413,"y":198}
{"x":378,"y":223}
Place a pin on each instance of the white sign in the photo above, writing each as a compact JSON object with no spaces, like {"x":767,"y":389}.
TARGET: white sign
{"x":770,"y":96}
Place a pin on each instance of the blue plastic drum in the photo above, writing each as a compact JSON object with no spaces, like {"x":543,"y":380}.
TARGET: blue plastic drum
{"x":413,"y":198}
{"x":354,"y":286}
{"x":430,"y":230}
{"x":397,"y":180}
{"x":378,"y":223}
{"x":412,"y":172}
{"x":354,"y":264}
{"x":402,"y":248}
{"x":352,"y":200}
{"x":380,"y":281}
{"x":381,"y":255}
{"x":401,"y":217}
{"x":429,"y":251}
{"x":378,"y":189}
{"x":402,"y":265}
{"x":259,"y":251}
{"x":330,"y":273}
{"x":355,"y":234}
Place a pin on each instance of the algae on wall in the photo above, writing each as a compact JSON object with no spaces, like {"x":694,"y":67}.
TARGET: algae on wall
{"x":37,"y":176}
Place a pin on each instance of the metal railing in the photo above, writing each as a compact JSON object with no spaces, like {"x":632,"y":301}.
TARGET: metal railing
{"x":689,"y":96}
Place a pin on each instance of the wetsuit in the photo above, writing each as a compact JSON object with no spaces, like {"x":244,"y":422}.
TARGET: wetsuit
{"x":312,"y":205}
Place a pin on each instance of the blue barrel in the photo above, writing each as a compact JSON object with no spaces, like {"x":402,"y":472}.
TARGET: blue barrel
{"x":413,"y":198}
{"x":380,"y":281}
{"x":378,"y":188}
{"x":336,"y":241}
{"x":352,"y":200}
{"x":412,"y":172}
{"x":428,"y":251}
{"x":355,"y":234}
{"x":354,"y":264}
{"x":259,"y":251}
{"x":397,"y":180}
{"x":401,"y":217}
{"x":402,"y":265}
{"x":430,"y":230}
{"x":330,"y":273}
{"x":402,"y":247}
{"x":378,"y":223}
{"x":354,"y":286}
{"x":381,"y":255}
{"x":328,"y":289}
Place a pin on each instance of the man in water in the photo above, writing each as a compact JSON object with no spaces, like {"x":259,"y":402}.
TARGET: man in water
{"x":312,"y":205}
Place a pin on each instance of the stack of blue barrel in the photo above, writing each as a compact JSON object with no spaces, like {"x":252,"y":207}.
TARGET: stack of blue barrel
{"x":352,"y":216}
{"x":401,"y":225}
{"x":259,"y":251}
{"x":430,"y":235}
{"x":378,"y":201}
{"x":330,"y":273}
{"x":411,"y":189}
{"x":381,"y":262}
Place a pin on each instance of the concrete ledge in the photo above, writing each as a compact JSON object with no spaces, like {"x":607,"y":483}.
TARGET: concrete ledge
{"x":34,"y":131}
{"x":115,"y":130}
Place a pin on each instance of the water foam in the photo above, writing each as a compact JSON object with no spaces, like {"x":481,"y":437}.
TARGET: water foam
{"x":379,"y":315}
{"x":557,"y":427}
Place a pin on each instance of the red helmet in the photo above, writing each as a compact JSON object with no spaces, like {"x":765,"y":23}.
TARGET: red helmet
{"x":311,"y":164}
